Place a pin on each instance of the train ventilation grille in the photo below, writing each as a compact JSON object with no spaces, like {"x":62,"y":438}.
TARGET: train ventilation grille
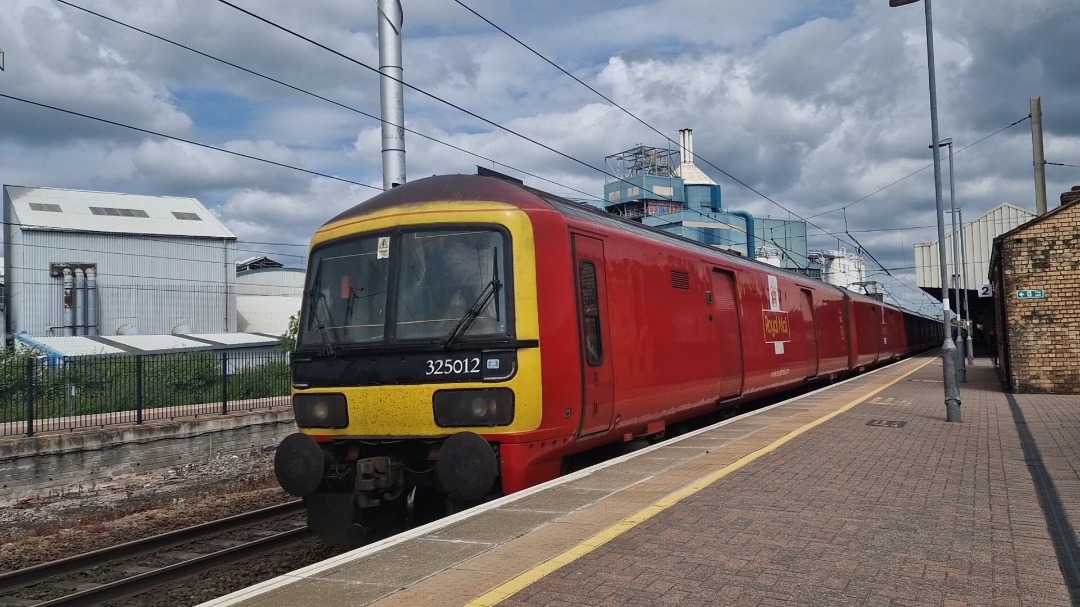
{"x":680,"y":280}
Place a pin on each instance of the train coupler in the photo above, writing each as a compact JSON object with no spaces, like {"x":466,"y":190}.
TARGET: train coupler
{"x":378,"y":478}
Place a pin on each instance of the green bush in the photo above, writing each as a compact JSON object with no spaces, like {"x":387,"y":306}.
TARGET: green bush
{"x":270,"y":379}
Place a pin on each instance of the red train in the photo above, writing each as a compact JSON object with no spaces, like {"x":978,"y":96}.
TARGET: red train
{"x":462,"y":335}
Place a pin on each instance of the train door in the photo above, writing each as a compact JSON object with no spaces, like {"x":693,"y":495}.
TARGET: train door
{"x":598,"y":385}
{"x":729,"y":333}
{"x":811,"y":335}
{"x":852,"y":333}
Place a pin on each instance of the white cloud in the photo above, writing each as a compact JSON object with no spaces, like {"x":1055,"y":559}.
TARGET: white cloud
{"x":814,"y":103}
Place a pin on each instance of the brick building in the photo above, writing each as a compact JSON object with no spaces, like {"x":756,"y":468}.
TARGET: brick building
{"x":1035,"y":271}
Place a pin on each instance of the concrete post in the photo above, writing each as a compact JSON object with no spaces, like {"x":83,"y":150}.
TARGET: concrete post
{"x":1038,"y":161}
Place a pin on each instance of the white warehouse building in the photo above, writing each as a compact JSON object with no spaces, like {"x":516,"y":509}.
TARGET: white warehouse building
{"x":97,"y":263}
{"x":267,"y":295}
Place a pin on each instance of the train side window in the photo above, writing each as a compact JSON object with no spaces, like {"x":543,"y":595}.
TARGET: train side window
{"x":590,"y":313}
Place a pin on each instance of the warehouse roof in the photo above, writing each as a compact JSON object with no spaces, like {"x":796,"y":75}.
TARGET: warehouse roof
{"x":257,"y":263}
{"x":81,"y":211}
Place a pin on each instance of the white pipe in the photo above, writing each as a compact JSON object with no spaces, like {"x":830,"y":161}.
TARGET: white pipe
{"x":91,"y":302}
{"x":69,"y":304}
{"x":80,"y":302}
{"x":686,"y":146}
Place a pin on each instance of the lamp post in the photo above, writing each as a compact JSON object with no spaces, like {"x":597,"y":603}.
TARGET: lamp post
{"x":948,"y":347}
{"x":961,"y":370}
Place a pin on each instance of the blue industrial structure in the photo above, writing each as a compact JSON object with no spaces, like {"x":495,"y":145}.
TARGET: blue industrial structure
{"x":665,"y":189}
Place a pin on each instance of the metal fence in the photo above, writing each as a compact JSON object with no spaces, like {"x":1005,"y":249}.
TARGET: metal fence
{"x":38,"y":395}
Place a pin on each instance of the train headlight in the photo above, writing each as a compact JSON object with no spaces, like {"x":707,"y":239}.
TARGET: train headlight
{"x":321,"y":410}
{"x":486,"y":407}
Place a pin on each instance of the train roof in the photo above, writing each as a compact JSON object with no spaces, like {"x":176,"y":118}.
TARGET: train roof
{"x":494,"y":187}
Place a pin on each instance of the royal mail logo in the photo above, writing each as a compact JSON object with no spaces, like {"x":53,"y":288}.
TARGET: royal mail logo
{"x":777,"y":328}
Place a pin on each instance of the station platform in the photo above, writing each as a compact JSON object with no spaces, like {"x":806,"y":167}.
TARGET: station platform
{"x":856,"y":494}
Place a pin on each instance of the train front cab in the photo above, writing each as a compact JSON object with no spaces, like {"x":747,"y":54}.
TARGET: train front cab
{"x":402,"y":382}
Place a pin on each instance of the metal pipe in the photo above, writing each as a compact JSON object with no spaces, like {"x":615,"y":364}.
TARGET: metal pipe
{"x":80,"y":302}
{"x":392,"y":93}
{"x":91,"y":302}
{"x":751,"y":242}
{"x":961,"y":369}
{"x":69,"y":303}
{"x":969,"y":349}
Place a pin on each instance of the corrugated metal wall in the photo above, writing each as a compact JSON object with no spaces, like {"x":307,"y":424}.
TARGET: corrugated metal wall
{"x":151,"y":283}
{"x":271,"y":281}
{"x":978,"y":240}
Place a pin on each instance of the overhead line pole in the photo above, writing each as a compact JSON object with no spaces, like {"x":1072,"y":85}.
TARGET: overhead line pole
{"x":948,"y":347}
{"x":1038,"y":161}
{"x":391,"y":93}
{"x":968,"y":349}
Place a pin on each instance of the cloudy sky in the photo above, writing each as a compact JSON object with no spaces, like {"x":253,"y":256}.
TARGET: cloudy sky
{"x":799,"y":107}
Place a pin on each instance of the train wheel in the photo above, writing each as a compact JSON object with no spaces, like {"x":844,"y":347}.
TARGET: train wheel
{"x":357,"y":536}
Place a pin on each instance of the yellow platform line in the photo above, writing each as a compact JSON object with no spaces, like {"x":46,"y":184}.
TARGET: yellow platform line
{"x":525,"y":579}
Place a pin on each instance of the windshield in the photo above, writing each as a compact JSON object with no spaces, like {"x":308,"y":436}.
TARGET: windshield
{"x":447,"y":286}
{"x":347,"y":299}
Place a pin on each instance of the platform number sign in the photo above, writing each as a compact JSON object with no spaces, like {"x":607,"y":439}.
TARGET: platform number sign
{"x":987,"y":290}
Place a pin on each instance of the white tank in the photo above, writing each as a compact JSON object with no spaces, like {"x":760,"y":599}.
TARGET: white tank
{"x":840,"y":268}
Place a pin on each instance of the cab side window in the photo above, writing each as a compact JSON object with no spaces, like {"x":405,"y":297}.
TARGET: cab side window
{"x":590,"y":313}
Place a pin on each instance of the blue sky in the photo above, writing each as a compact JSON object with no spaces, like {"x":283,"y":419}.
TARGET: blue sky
{"x":813,"y":103}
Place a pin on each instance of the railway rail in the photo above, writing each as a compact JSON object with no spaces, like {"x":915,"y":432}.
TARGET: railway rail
{"x":139,"y":566}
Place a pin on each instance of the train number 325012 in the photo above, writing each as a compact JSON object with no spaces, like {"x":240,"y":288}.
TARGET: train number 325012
{"x":453,"y":366}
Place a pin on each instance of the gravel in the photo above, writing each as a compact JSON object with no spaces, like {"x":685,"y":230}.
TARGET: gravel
{"x":33,"y":531}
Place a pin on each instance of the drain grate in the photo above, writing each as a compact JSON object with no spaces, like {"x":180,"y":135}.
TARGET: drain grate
{"x":886,"y":423}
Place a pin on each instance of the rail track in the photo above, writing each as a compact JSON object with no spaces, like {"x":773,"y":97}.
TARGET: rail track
{"x":142,"y":565}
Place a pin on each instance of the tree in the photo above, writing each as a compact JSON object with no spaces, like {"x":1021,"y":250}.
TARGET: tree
{"x":288,"y":339}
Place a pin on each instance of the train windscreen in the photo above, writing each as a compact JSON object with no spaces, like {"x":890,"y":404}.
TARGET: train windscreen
{"x":430,"y":285}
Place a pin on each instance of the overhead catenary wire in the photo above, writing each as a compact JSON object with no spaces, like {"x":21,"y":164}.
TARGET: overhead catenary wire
{"x":492,"y":123}
{"x":635,"y":117}
{"x":312,"y":94}
{"x":432,"y":96}
{"x":466,"y":111}
{"x":735,"y":227}
{"x":65,"y":2}
{"x":187,"y":141}
{"x":955,"y":152}
{"x":82,"y":115}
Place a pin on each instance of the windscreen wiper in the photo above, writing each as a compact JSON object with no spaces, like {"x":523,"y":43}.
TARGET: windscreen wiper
{"x":318,"y":297}
{"x":482,"y":300}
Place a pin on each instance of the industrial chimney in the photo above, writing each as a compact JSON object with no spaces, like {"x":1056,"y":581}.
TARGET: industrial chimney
{"x":691,"y":175}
